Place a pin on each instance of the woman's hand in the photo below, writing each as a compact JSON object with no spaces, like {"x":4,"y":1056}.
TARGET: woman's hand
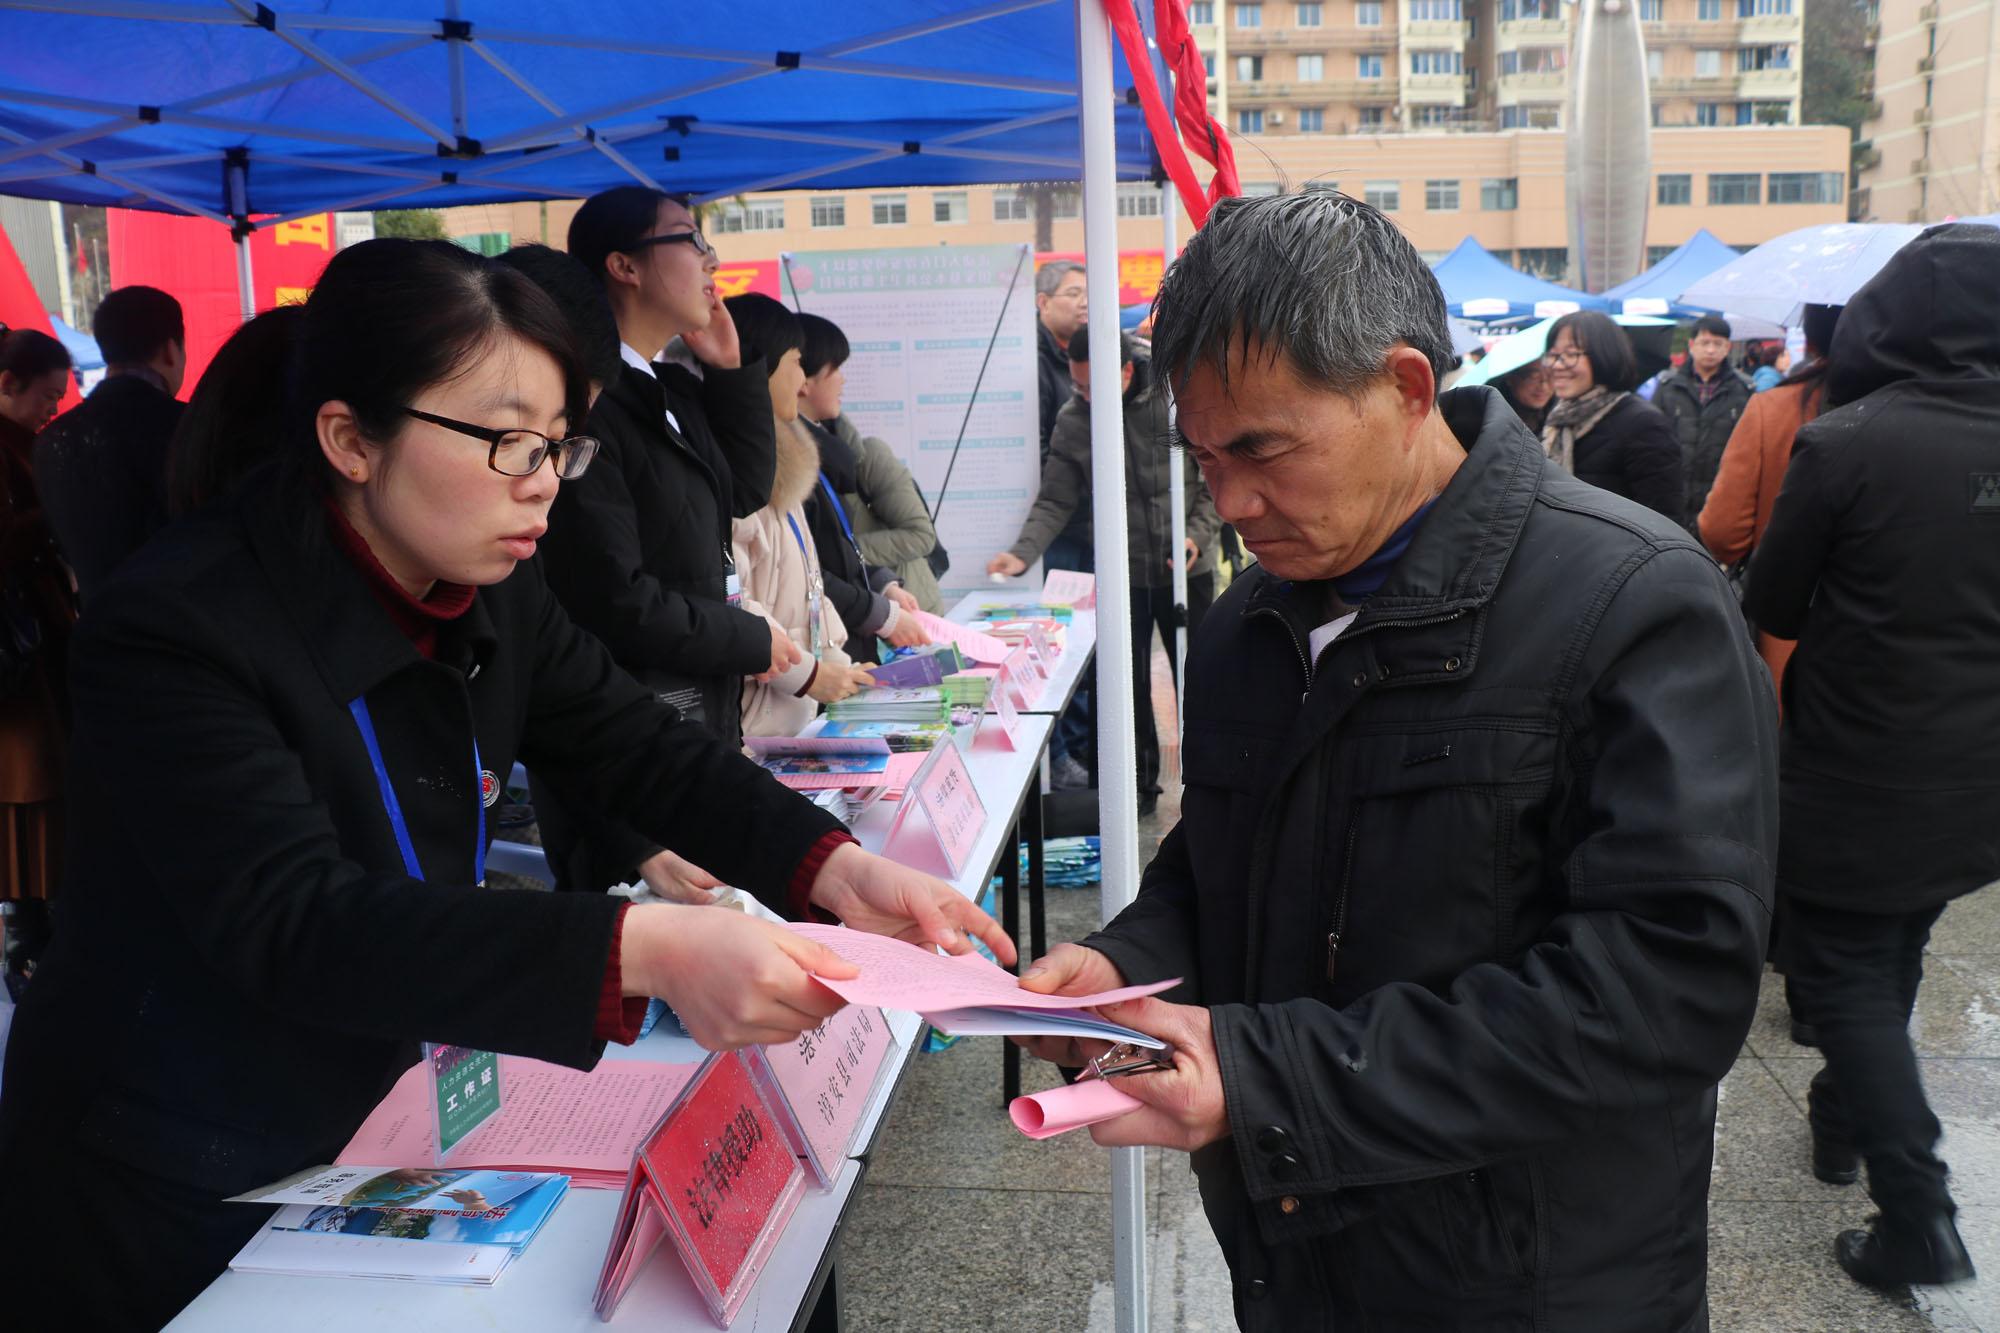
{"x":902,"y":597}
{"x":717,"y":345}
{"x":677,"y":880}
{"x":734,"y":980}
{"x":908,"y":633}
{"x":870,"y":893}
{"x":834,"y":682}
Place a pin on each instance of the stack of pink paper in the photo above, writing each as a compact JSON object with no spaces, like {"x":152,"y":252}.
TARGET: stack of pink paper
{"x":584,"y":1125}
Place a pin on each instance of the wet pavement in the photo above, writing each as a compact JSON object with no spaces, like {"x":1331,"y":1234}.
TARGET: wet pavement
{"x":964,"y":1225}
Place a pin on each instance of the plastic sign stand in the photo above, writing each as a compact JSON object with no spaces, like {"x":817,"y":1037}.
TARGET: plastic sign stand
{"x":716,"y":1176}
{"x":1020,"y":675}
{"x":1069,"y":587}
{"x":824,"y":1081}
{"x":465,"y":1093}
{"x":1002,"y":702}
{"x":942,"y":798}
{"x":1045,"y":649}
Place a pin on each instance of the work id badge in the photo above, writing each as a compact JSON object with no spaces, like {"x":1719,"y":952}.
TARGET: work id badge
{"x":815,"y":629}
{"x":732,"y":586}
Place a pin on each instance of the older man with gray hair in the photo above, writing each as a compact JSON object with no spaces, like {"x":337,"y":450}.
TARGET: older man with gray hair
{"x":1062,"y":302}
{"x":1473,"y":877}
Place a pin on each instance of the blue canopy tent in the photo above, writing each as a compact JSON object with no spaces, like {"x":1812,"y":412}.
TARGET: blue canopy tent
{"x":84,"y":353}
{"x":1481,"y":289}
{"x":1657,"y":291}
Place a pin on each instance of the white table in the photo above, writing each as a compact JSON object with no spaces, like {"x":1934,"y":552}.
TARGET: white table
{"x":549,"y":1288}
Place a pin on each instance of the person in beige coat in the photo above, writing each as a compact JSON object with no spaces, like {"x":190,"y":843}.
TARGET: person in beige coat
{"x":773,"y":547}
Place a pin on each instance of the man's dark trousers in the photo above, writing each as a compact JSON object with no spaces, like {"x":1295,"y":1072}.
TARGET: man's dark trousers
{"x":1154,"y":608}
{"x":1856,"y":974}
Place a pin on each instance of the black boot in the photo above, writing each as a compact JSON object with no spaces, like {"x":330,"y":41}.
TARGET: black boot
{"x":1803,"y":1033}
{"x":1835,"y":1163}
{"x":1926,"y":1252}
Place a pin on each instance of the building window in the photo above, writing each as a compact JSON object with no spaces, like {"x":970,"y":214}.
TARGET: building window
{"x":1250,"y":121}
{"x":1066,"y":203}
{"x":1763,"y":57}
{"x":1312,"y":69}
{"x":1368,"y":67}
{"x":1709,"y":11}
{"x":1312,"y":119}
{"x":1652,"y":11}
{"x":1656,"y":253}
{"x":1436,"y":11}
{"x":1708,"y":64}
{"x":1440,"y":196}
{"x":1551,"y":262}
{"x":1368,"y":14}
{"x":1203,"y":12}
{"x":1138,"y":199}
{"x":1500,"y":194}
{"x":1208,"y":63}
{"x":1261,"y":189}
{"x":1765,"y":113}
{"x":1249,"y":16}
{"x":949,"y":207}
{"x":753,"y":215}
{"x":1674,"y":188}
{"x":1733,"y":187}
{"x":1656,"y":64}
{"x":1762,"y":8}
{"x":1385,"y":195}
{"x":889,"y":210}
{"x":1472,"y":27}
{"x":1249,"y":69}
{"x":829,"y":210}
{"x":1708,"y":113}
{"x":1437,"y":117}
{"x":1805,"y":187}
{"x":1309,"y":16}
{"x":1374,"y":117}
{"x":1436,"y":62}
{"x":1011,"y":206}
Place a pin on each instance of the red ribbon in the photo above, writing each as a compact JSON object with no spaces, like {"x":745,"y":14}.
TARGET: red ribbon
{"x":1202,"y":133}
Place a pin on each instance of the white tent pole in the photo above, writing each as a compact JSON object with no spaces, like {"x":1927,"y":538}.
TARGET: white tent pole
{"x":236,"y":186}
{"x":1117,"y":767}
{"x":1176,"y":488}
{"x":246,"y":292}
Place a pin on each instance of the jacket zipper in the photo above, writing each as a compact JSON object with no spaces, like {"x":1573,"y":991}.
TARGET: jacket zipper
{"x":1340,"y":903}
{"x":1305,"y":662}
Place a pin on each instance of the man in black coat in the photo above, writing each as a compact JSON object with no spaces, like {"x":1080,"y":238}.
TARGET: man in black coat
{"x":638,"y":547}
{"x":1702,"y":401}
{"x":1882,"y":559}
{"x":1471,"y":889}
{"x":101,"y":467}
{"x":1062,"y":303}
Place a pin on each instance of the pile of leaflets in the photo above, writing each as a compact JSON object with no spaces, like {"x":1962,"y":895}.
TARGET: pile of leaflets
{"x":922,"y":704}
{"x":968,"y":689}
{"x":1067,"y":863}
{"x":901,"y":737}
{"x":415,"y":1224}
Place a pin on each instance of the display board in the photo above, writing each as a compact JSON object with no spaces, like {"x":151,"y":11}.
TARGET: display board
{"x":919,"y":322}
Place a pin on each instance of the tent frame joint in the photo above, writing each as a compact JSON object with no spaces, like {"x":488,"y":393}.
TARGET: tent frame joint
{"x":265,"y":18}
{"x":454,"y":30}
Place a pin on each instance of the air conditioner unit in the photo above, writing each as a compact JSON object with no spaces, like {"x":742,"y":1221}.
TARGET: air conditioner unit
{"x":1276,"y":117}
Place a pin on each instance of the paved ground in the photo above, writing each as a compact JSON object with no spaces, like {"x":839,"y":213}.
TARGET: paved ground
{"x":965,"y":1225}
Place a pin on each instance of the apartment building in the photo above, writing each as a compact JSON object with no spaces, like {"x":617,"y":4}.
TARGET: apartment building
{"x":1746,"y":184}
{"x":1415,"y":66}
{"x":1932,"y":149}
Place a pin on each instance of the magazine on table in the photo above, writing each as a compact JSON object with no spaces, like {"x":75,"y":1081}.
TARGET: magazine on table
{"x":425,"y":1189}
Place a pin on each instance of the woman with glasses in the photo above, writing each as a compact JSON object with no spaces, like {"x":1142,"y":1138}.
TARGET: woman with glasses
{"x":1597,"y":428}
{"x":1529,"y":393}
{"x":638,"y":551}
{"x":293,"y":711}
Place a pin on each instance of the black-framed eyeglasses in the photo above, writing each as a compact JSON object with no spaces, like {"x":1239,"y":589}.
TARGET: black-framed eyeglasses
{"x":517,"y":453}
{"x":1563,"y":359}
{"x":693,"y":238}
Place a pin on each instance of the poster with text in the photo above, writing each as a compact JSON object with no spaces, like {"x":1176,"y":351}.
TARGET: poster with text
{"x":920,"y":322}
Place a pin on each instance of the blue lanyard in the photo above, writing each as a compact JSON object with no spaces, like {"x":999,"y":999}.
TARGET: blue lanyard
{"x":839,"y":510}
{"x":395,"y":808}
{"x":799,"y":537}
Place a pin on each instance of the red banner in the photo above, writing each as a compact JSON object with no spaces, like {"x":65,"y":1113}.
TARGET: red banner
{"x":21,"y":308}
{"x":1139,"y":272}
{"x":748,"y":275}
{"x":194,"y":261}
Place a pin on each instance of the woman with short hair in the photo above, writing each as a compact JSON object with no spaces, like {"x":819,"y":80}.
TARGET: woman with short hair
{"x":1598,"y":429}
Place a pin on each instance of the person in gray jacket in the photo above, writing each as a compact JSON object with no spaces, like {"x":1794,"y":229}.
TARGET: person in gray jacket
{"x":1063,"y":505}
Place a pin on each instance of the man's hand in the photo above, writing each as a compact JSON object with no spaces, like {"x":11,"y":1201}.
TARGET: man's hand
{"x":784,"y":653}
{"x":1007,"y":563}
{"x":1193,"y":553}
{"x":902,"y":597}
{"x":734,"y":980}
{"x":908,"y":633}
{"x":870,"y":893}
{"x":832,"y":682}
{"x":678,"y":881}
{"x":1069,"y":969}
{"x":1183,"y":1107}
{"x":717,"y":345}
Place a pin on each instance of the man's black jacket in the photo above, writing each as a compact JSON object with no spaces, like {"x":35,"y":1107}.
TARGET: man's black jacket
{"x":101,"y":470}
{"x":638,"y":547}
{"x":1882,"y":559}
{"x":1702,"y":429}
{"x":1478,"y":901}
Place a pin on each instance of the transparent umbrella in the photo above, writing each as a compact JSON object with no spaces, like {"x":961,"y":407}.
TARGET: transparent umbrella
{"x":1652,"y":340}
{"x":1822,"y":265}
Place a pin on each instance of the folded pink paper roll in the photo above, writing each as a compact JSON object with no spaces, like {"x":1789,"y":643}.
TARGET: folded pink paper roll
{"x":1045,"y":1114}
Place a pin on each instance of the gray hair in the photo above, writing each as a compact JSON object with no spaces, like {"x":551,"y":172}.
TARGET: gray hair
{"x":1319,"y":278}
{"x":1050,"y":275}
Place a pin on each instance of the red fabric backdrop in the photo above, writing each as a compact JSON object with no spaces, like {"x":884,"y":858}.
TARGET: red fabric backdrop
{"x":195,"y":261}
{"x":20,"y":308}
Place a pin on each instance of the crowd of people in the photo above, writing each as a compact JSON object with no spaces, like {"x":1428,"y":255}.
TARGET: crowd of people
{"x":1489,"y":825}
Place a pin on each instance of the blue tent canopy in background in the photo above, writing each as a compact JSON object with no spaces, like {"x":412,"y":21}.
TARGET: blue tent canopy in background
{"x":1498,"y":291}
{"x":83,"y":349}
{"x":1657,"y":291}
{"x":229,"y":109}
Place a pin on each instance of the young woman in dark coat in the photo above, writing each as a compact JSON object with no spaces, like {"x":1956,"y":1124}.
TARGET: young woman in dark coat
{"x":290,"y":711}
{"x":1600,"y":431}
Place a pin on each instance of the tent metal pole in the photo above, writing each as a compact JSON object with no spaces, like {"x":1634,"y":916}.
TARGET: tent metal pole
{"x":1117,"y":758}
{"x":236,"y":189}
{"x":1176,"y":489}
{"x":246,"y":291}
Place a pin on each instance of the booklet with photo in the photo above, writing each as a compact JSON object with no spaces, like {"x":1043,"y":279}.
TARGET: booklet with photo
{"x":808,"y":772}
{"x":901,"y":737}
{"x":512,"y":1225}
{"x":421,"y":1189}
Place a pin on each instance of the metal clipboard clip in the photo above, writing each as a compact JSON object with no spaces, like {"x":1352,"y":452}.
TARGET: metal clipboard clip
{"x":1125,"y":1058}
